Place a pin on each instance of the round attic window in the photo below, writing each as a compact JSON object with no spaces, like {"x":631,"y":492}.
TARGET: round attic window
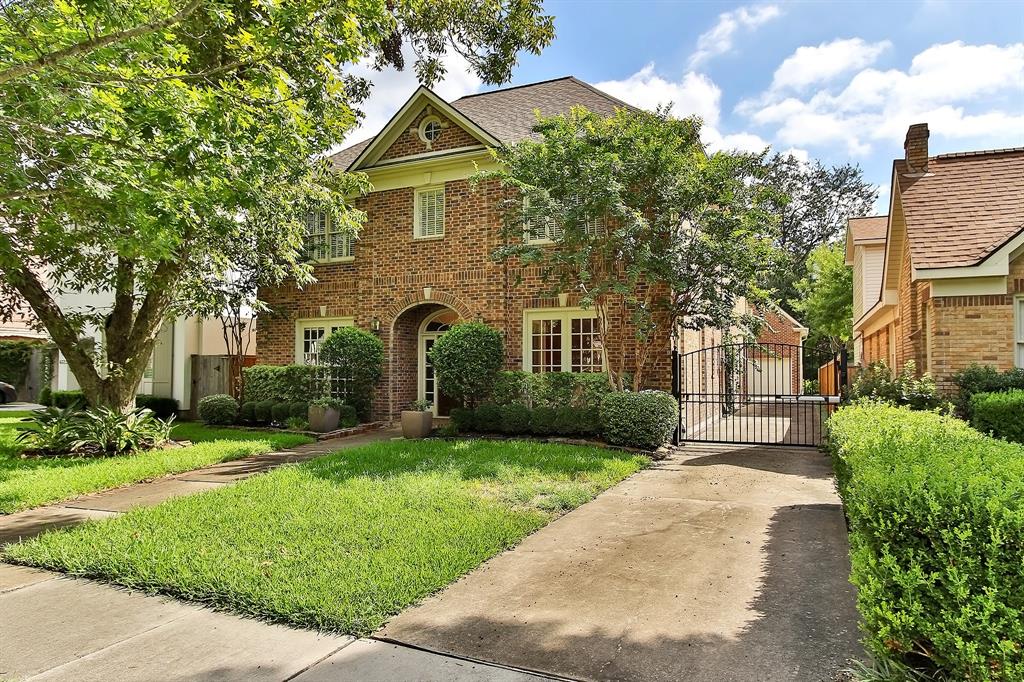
{"x":430,"y":129}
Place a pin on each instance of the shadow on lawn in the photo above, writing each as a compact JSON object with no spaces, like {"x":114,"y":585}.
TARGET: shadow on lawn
{"x":801,"y":625}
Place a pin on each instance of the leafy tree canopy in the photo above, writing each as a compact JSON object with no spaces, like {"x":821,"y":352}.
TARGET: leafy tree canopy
{"x":146,"y":144}
{"x":645,"y":224}
{"x":825,"y":300}
{"x":814,"y":203}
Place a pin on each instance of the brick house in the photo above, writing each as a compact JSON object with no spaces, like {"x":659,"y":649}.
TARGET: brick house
{"x":940,"y":280}
{"x":423,"y":258}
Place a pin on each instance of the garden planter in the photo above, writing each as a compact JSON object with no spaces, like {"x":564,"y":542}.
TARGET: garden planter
{"x":417,"y":424}
{"x":323,"y":419}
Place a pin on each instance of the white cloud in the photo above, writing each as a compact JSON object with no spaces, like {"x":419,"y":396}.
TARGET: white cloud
{"x":809,"y":65}
{"x":694,"y":94}
{"x":961,"y":91}
{"x":391,"y":88}
{"x":719,"y":39}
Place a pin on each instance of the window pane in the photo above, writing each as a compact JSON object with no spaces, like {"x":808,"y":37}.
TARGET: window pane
{"x":586,"y":351}
{"x":311,"y":337}
{"x":546,"y":341}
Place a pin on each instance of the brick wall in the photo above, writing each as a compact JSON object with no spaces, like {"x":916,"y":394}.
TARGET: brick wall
{"x":393,"y":273}
{"x":409,"y":142}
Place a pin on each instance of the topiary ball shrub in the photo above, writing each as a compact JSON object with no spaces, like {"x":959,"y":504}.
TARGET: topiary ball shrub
{"x":349,"y":416}
{"x":219,"y":409}
{"x":280,"y":412}
{"x":467,"y":359}
{"x":542,"y":421}
{"x":642,"y":420}
{"x":163,"y":407}
{"x":515,"y":420}
{"x":66,"y":399}
{"x":463,"y":419}
{"x":357,"y":356}
{"x":247,"y":412}
{"x":488,"y":418}
{"x":299,"y":410}
{"x":263,"y":411}
{"x":999,"y":414}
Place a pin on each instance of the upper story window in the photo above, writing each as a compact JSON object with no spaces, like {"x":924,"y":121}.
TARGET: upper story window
{"x":324,"y":243}
{"x":545,"y":230}
{"x":429,"y":213}
{"x":430,"y":129}
{"x":562,"y":340}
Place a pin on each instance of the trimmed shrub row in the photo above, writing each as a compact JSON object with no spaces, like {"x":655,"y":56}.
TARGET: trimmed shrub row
{"x":583,"y":390}
{"x":983,"y":379}
{"x":936,"y":516}
{"x":261,"y":412}
{"x":999,"y":414}
{"x":281,"y":383}
{"x":519,"y":420}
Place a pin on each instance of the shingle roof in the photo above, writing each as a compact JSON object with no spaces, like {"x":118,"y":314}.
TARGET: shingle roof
{"x":964,"y":208}
{"x":508,"y":114}
{"x":869,"y":227}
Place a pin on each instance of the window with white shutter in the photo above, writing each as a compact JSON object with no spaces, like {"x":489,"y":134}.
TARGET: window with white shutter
{"x":545,"y":230}
{"x":429,"y":218}
{"x":323,"y":242}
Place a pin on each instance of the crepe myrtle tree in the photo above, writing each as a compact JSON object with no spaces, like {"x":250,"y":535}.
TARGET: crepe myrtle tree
{"x":146,"y":144}
{"x":646,"y":226}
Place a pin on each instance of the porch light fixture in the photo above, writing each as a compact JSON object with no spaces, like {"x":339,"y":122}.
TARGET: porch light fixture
{"x":375,"y":325}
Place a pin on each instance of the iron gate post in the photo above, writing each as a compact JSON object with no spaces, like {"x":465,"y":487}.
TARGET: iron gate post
{"x":677,"y":393}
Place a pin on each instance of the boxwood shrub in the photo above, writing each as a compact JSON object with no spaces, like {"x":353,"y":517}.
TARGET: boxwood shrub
{"x":515,"y":420}
{"x":488,"y":418}
{"x":936,"y":517}
{"x":280,"y":412}
{"x":299,"y":409}
{"x":219,"y":409}
{"x":999,"y":414}
{"x":263,"y":411}
{"x":467,"y":360}
{"x":983,"y":379}
{"x":463,"y":419}
{"x":542,"y":421}
{"x":247,"y":412}
{"x":162,"y":406}
{"x":643,"y":419}
{"x":348,"y":416}
{"x":289,"y":383}
{"x":66,"y":399}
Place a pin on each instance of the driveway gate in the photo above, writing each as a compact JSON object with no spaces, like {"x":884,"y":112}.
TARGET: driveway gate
{"x":748,"y":392}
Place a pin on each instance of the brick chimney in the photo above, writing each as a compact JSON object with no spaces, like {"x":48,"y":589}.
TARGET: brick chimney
{"x":916,"y":147}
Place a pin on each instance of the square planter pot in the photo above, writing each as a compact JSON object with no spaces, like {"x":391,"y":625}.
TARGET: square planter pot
{"x":323,"y":419}
{"x":416,"y":424}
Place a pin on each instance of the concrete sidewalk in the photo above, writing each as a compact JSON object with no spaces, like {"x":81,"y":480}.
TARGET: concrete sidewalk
{"x":32,"y":522}
{"x":720,"y":563}
{"x":56,"y":628}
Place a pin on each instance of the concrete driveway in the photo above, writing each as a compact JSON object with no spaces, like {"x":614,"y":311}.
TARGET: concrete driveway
{"x":720,"y":563}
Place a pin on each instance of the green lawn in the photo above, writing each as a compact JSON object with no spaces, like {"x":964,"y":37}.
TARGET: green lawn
{"x":26,"y":483}
{"x":344,"y":541}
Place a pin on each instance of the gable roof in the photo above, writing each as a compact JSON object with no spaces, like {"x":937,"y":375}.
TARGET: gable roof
{"x":964,"y":208}
{"x":868,"y":228}
{"x":508,"y":115}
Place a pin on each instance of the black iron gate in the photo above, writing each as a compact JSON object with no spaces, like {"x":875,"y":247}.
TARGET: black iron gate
{"x":748,"y":392}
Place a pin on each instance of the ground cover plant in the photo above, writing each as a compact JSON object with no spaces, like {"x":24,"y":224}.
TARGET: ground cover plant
{"x":936,"y":517}
{"x":344,"y":541}
{"x":31,"y":482}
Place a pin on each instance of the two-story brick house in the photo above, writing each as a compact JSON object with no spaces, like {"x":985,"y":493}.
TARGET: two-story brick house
{"x":940,"y":280}
{"x":423,"y":259}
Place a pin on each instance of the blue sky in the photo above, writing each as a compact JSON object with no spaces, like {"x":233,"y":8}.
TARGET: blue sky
{"x":838,"y":81}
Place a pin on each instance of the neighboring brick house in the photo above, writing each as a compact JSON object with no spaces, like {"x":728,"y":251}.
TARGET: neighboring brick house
{"x":423,"y":259}
{"x":940,"y":280}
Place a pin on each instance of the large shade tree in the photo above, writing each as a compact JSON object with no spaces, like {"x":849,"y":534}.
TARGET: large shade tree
{"x":825,"y":302}
{"x":647,"y":226}
{"x":145,"y":145}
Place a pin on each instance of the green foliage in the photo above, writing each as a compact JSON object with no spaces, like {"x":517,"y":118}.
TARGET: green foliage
{"x":98,"y":432}
{"x":163,"y":407}
{"x":14,"y":361}
{"x":299,"y":409}
{"x":280,"y":412}
{"x":487,"y":418}
{"x":825,"y":297}
{"x":348,"y":416}
{"x":635,"y":207}
{"x":247,"y":412}
{"x":583,"y":390}
{"x":421,"y":405}
{"x":46,"y":396}
{"x":511,"y":387}
{"x":150,"y":146}
{"x":218,"y":409}
{"x":877,"y":382}
{"x":466,"y":360}
{"x":983,"y":379}
{"x":812,"y":387}
{"x":358,"y":357}
{"x":290,"y":383}
{"x":327,"y":402}
{"x":297,"y":423}
{"x":542,"y":421}
{"x":65,"y":399}
{"x":936,"y":517}
{"x":515,"y":419}
{"x":262,"y":411}
{"x":643,"y":419}
{"x":999,"y":414}
{"x":578,"y":421}
{"x":463,"y":419}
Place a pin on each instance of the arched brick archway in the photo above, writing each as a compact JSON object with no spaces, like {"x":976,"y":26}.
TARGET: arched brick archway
{"x":436,"y":296}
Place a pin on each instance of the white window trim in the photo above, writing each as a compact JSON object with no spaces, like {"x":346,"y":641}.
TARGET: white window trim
{"x":312,"y":322}
{"x":566,"y":315}
{"x":416,"y":227}
{"x":339,"y":259}
{"x":421,"y":131}
{"x":1018,"y":346}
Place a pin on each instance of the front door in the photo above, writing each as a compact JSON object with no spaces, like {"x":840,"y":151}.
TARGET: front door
{"x":431,"y":392}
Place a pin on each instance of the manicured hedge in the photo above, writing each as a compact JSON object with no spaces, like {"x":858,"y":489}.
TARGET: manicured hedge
{"x":936,"y":515}
{"x":983,"y":379}
{"x":280,"y":383}
{"x":1000,"y":414}
{"x":583,"y":390}
{"x":643,"y":419}
{"x":65,"y":399}
{"x":218,"y":409}
{"x":519,"y":420}
{"x":162,"y":406}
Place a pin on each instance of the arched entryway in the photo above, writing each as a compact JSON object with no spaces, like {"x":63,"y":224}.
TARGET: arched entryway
{"x":412,"y":377}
